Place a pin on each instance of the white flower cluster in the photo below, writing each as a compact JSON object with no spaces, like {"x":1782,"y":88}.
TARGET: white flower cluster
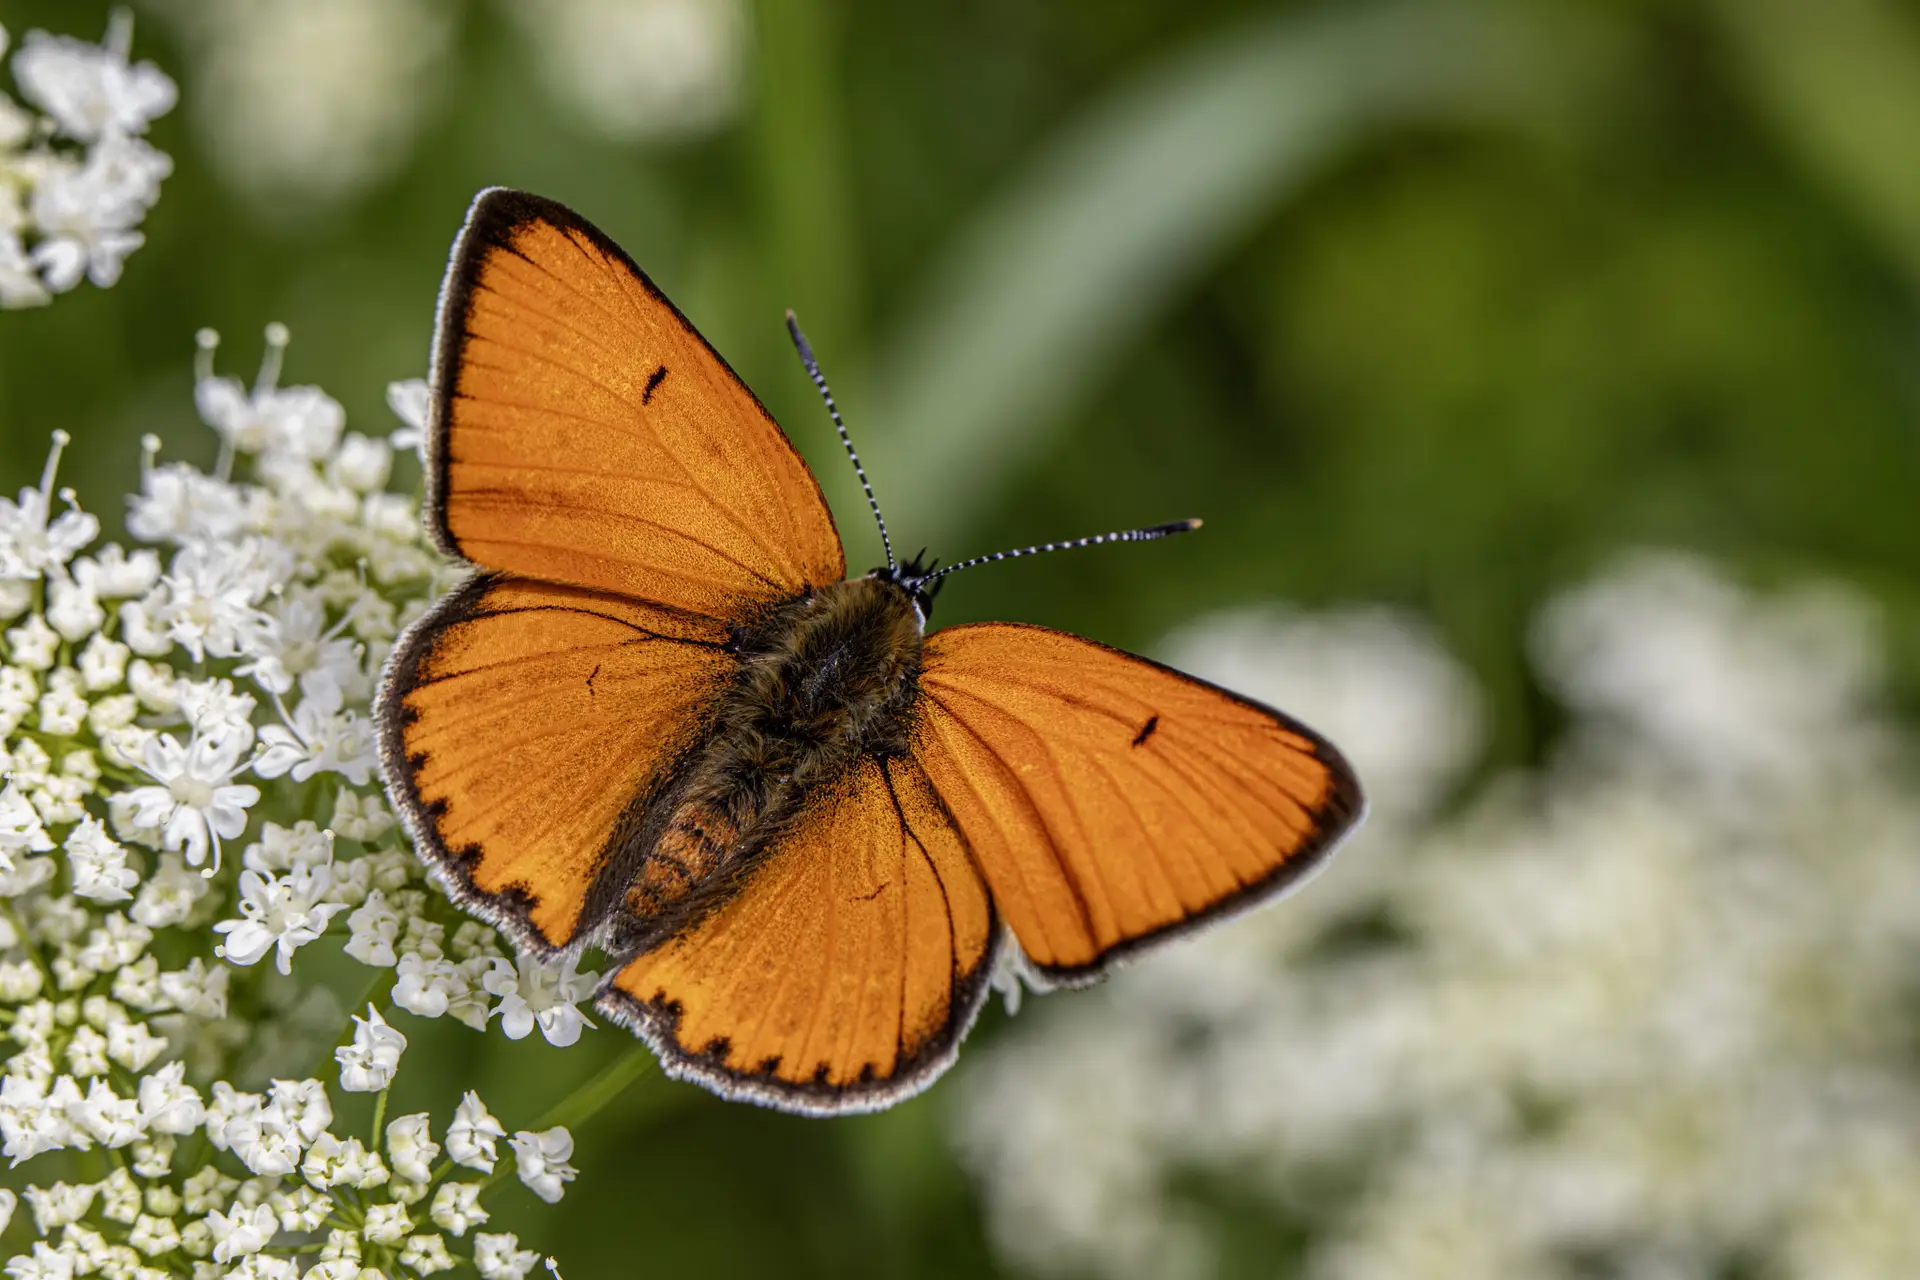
{"x":1645,"y":1011}
{"x":178,"y":719}
{"x":76,"y":180}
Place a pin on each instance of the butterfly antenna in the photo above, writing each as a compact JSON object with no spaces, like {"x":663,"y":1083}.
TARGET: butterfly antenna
{"x":805,"y":349}
{"x":1148,"y":534}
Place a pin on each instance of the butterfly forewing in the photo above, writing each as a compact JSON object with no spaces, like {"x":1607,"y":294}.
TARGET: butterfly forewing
{"x":584,"y":432}
{"x":844,"y":973}
{"x":1110,"y":801}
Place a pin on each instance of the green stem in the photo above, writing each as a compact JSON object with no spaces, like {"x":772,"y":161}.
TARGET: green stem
{"x":585,"y":1102}
{"x":379,"y":1120}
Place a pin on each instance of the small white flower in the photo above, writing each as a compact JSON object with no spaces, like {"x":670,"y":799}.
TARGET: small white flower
{"x":387,"y":1224}
{"x":114,"y":573}
{"x":168,"y":1104}
{"x":375,"y":928}
{"x":59,"y":1205}
{"x":169,"y":894}
{"x":243,"y":1232}
{"x":103,"y":663}
{"x":19,"y":286}
{"x":90,"y":90}
{"x":427,"y":985}
{"x":154,"y":1236}
{"x":456,"y":1207}
{"x":178,"y":503}
{"x":20,"y":829}
{"x":63,"y":708}
{"x":298,"y":645}
{"x":197,"y":803}
{"x":153,"y":1158}
{"x":103,"y":1115}
{"x":542,"y":1158}
{"x":499,"y":1257}
{"x":408,"y":400}
{"x":316,"y":739}
{"x":33,"y":644}
{"x":205,"y":1190}
{"x":333,"y":1163}
{"x":98,"y":864}
{"x":426,"y":1255}
{"x":32,"y":540}
{"x":367,"y":1065}
{"x":209,"y":600}
{"x":411,"y":1149}
{"x":342,"y":1246}
{"x":362,"y":464}
{"x":281,"y":913}
{"x":361,"y":817}
{"x":215,"y":708}
{"x":120,"y":1198}
{"x":73,"y":610}
{"x":197,"y":990}
{"x":543,"y":995}
{"x":43,"y":1264}
{"x":134,"y":1047}
{"x":301,"y":1209}
{"x":471,"y":1136}
{"x":86,"y":213}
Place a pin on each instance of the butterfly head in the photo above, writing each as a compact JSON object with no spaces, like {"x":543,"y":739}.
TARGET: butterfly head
{"x":917,"y":578}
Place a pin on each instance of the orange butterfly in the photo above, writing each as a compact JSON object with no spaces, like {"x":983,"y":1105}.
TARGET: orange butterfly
{"x":661,"y":721}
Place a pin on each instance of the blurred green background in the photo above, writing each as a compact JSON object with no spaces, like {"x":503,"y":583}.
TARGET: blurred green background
{"x":1422,"y":303}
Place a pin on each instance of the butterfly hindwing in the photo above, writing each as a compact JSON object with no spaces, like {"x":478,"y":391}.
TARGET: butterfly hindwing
{"x":1110,"y":801}
{"x":582,"y":431}
{"x":519,"y":719}
{"x":843,"y":974}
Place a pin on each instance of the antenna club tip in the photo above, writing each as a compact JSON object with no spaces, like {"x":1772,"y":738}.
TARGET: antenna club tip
{"x":1195,"y":523}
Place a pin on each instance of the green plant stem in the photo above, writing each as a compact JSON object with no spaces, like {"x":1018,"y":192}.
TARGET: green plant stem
{"x":379,"y":1119}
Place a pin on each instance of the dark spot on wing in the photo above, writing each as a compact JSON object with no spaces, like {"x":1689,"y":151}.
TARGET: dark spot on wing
{"x":1146,"y":730}
{"x":590,"y":676}
{"x":869,"y":897}
{"x":654,"y":379}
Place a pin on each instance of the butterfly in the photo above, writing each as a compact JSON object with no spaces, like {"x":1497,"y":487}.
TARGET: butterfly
{"x":660,"y":720}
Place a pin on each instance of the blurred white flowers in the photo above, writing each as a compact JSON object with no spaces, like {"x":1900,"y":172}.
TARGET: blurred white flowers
{"x":637,"y":70}
{"x":1644,"y":1012}
{"x":76,"y":183}
{"x":303,"y":104}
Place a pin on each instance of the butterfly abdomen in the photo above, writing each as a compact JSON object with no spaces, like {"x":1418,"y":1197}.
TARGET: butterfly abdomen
{"x":824,"y":680}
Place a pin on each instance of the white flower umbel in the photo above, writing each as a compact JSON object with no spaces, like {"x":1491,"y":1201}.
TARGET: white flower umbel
{"x":155,"y":710}
{"x":79,"y":180}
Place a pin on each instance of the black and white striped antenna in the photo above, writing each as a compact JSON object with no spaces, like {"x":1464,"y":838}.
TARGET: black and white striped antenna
{"x":1148,"y":534}
{"x":801,"y":345}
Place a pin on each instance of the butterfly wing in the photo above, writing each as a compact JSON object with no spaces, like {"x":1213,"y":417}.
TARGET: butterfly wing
{"x":1111,"y":802}
{"x":582,"y":431}
{"x":584,"y":439}
{"x":843,"y":974}
{"x":519,"y":720}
